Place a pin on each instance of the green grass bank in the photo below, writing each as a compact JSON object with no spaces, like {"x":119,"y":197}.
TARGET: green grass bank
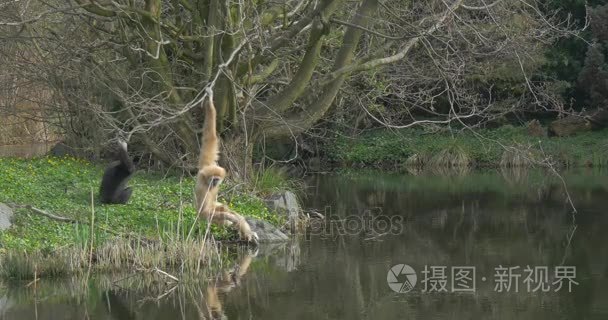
{"x":507,"y":146}
{"x":156,"y":229}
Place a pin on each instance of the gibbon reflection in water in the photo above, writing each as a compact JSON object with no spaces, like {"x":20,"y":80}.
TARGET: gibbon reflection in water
{"x":225,"y":282}
{"x":119,"y":304}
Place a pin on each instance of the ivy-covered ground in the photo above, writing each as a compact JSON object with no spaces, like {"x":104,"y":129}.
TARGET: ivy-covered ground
{"x":160,"y":209}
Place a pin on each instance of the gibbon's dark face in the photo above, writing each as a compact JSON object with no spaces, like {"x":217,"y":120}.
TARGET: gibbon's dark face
{"x":215,"y":181}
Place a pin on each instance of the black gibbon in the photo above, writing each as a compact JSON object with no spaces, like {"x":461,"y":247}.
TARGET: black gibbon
{"x":113,"y":187}
{"x":209,"y":178}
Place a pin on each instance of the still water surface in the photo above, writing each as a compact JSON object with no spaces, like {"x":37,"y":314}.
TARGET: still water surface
{"x":482,"y":220}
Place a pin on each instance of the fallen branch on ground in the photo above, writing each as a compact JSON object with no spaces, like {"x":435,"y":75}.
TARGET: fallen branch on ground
{"x":46,"y":214}
{"x":61,"y":218}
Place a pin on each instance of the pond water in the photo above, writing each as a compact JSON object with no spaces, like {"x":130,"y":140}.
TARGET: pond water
{"x":514,"y":233}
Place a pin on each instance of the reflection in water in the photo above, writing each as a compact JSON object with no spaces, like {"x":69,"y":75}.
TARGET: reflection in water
{"x":224,"y":283}
{"x":484,"y":219}
{"x":208,"y":303}
{"x":116,"y":306}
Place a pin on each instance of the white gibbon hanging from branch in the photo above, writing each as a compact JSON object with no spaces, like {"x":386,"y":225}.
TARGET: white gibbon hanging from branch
{"x":209,"y":177}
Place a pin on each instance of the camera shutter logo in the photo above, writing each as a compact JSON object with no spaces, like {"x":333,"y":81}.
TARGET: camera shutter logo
{"x":401,"y":278}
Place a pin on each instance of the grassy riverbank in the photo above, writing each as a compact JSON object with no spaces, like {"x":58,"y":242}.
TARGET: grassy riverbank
{"x":505,"y":146}
{"x":157,"y":228}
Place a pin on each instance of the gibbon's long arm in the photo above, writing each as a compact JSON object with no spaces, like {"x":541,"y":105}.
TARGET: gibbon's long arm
{"x":209,"y":146}
{"x":123,"y":156}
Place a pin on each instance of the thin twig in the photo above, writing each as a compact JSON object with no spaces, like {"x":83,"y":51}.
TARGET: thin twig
{"x":174,"y":278}
{"x":91,"y":235}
